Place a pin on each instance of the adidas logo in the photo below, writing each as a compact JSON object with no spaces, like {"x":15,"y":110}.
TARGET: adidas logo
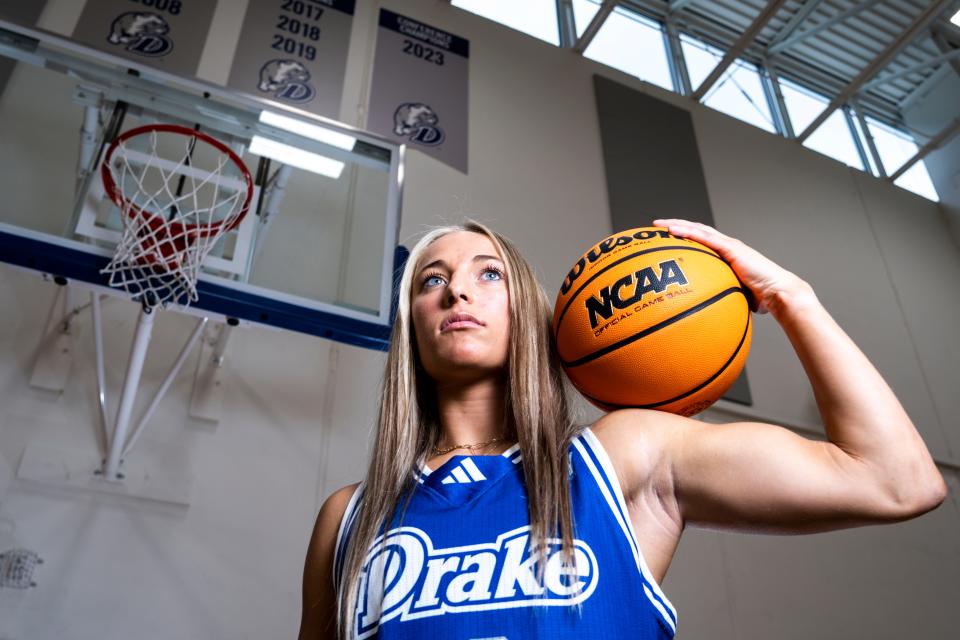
{"x":464,"y":473}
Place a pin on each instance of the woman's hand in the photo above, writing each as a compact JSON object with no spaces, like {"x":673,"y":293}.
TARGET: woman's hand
{"x":765,"y":280}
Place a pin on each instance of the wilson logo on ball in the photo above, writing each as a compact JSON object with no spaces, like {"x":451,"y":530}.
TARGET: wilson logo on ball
{"x":644,"y":281}
{"x":606,"y":247}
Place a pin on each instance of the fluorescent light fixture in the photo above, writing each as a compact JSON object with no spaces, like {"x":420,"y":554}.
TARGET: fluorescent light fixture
{"x":956,"y":18}
{"x":312,"y":131}
{"x":295,"y":157}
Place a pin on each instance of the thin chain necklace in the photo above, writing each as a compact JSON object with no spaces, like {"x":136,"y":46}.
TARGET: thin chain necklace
{"x":469,"y":447}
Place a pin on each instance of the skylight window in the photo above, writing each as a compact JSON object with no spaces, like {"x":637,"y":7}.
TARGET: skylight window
{"x":537,"y":18}
{"x":832,"y":138}
{"x":895,"y":148}
{"x":583,"y":12}
{"x":634,"y":45}
{"x":803,"y":106}
{"x":737,"y":93}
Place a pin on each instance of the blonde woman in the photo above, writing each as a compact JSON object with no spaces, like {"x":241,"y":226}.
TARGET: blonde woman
{"x":487,"y":513}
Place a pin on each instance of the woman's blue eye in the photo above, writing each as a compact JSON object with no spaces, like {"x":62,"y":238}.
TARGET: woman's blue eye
{"x":491,"y":272}
{"x":432,"y":281}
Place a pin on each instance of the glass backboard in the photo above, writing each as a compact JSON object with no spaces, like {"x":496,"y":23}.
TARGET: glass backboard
{"x":316,"y":253}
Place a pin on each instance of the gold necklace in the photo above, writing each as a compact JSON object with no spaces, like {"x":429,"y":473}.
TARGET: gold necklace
{"x":469,"y":447}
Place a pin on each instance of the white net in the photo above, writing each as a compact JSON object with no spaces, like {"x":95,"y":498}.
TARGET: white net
{"x":173,"y":211}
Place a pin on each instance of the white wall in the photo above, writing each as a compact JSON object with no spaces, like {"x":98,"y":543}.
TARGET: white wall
{"x":299,"y":410}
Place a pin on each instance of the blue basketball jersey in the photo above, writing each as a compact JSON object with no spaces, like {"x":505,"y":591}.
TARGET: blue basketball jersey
{"x":459,"y":564}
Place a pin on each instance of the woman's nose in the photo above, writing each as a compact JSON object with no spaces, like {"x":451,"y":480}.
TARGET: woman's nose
{"x":457,"y":291}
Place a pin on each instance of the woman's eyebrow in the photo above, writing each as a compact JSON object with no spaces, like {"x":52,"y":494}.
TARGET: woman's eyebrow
{"x":477,"y":258}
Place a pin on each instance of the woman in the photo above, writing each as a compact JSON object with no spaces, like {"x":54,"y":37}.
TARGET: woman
{"x":579,"y":534}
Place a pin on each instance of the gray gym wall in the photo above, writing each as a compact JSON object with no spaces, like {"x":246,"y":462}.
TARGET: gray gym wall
{"x":299,"y":410}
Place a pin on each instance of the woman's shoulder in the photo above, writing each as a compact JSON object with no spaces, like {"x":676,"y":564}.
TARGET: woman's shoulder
{"x":337,"y":502}
{"x":631,"y":427}
{"x":331,"y":514}
{"x":637,"y":443}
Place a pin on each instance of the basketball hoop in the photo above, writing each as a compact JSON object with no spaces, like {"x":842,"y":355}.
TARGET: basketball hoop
{"x":173,"y":210}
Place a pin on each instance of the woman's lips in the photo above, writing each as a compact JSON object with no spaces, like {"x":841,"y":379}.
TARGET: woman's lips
{"x":459,"y":321}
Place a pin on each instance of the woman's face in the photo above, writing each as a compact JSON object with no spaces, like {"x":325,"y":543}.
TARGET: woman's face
{"x":461,"y":308}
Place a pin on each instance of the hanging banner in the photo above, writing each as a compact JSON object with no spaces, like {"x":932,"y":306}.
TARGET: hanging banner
{"x":419,"y":93}
{"x":165,"y":34}
{"x":294,"y":52}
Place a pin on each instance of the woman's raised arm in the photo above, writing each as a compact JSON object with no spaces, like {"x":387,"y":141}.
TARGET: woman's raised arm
{"x":873,"y":468}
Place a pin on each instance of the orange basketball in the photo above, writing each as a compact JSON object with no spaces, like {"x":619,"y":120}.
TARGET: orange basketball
{"x":647,"y":319}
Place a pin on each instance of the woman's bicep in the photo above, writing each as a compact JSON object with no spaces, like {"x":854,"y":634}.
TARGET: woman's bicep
{"x":319,"y":614}
{"x":761,"y":477}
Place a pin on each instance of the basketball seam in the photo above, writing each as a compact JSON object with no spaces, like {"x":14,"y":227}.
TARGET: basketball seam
{"x":660,"y":325}
{"x":685,"y":394}
{"x":615,"y":263}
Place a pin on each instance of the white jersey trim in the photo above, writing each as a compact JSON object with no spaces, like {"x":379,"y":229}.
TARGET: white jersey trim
{"x":618,"y":507}
{"x":346,"y":524}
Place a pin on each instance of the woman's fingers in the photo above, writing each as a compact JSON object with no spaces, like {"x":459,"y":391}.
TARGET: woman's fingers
{"x":761,"y":276}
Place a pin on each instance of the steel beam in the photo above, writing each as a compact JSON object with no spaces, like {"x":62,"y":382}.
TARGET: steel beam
{"x":871,"y":143}
{"x":678,"y":65}
{"x":566,"y":24}
{"x":857,"y":143}
{"x":943,"y":57}
{"x":676,"y":5}
{"x":786,"y":43}
{"x":795,"y":21}
{"x":881,"y":61}
{"x":945,"y":47}
{"x":778,"y":107}
{"x":738,"y":47}
{"x":591,"y":31}
{"x":936,"y":141}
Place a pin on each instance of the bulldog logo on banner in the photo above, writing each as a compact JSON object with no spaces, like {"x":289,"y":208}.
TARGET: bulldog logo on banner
{"x":142,"y":32}
{"x":164,"y":34}
{"x":286,"y":80}
{"x":417,"y":122}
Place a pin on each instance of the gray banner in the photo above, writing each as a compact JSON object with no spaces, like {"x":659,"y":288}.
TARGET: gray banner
{"x":419,"y":93}
{"x":166,"y":34}
{"x":294,"y":52}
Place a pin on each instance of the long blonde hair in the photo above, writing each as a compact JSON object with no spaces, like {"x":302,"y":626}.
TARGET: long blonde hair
{"x":538,"y":415}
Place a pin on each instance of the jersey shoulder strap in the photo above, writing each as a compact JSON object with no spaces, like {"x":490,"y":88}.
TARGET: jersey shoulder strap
{"x":347,"y":523}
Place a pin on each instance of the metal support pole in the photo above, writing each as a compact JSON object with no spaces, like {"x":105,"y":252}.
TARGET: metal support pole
{"x":856,"y":138}
{"x":88,"y":143}
{"x":871,"y":143}
{"x":566,"y":23}
{"x":678,"y":64}
{"x":220,"y":346}
{"x":778,"y":106}
{"x":101,"y":377}
{"x":274,"y":196}
{"x":158,"y":396}
{"x":138,"y":353}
